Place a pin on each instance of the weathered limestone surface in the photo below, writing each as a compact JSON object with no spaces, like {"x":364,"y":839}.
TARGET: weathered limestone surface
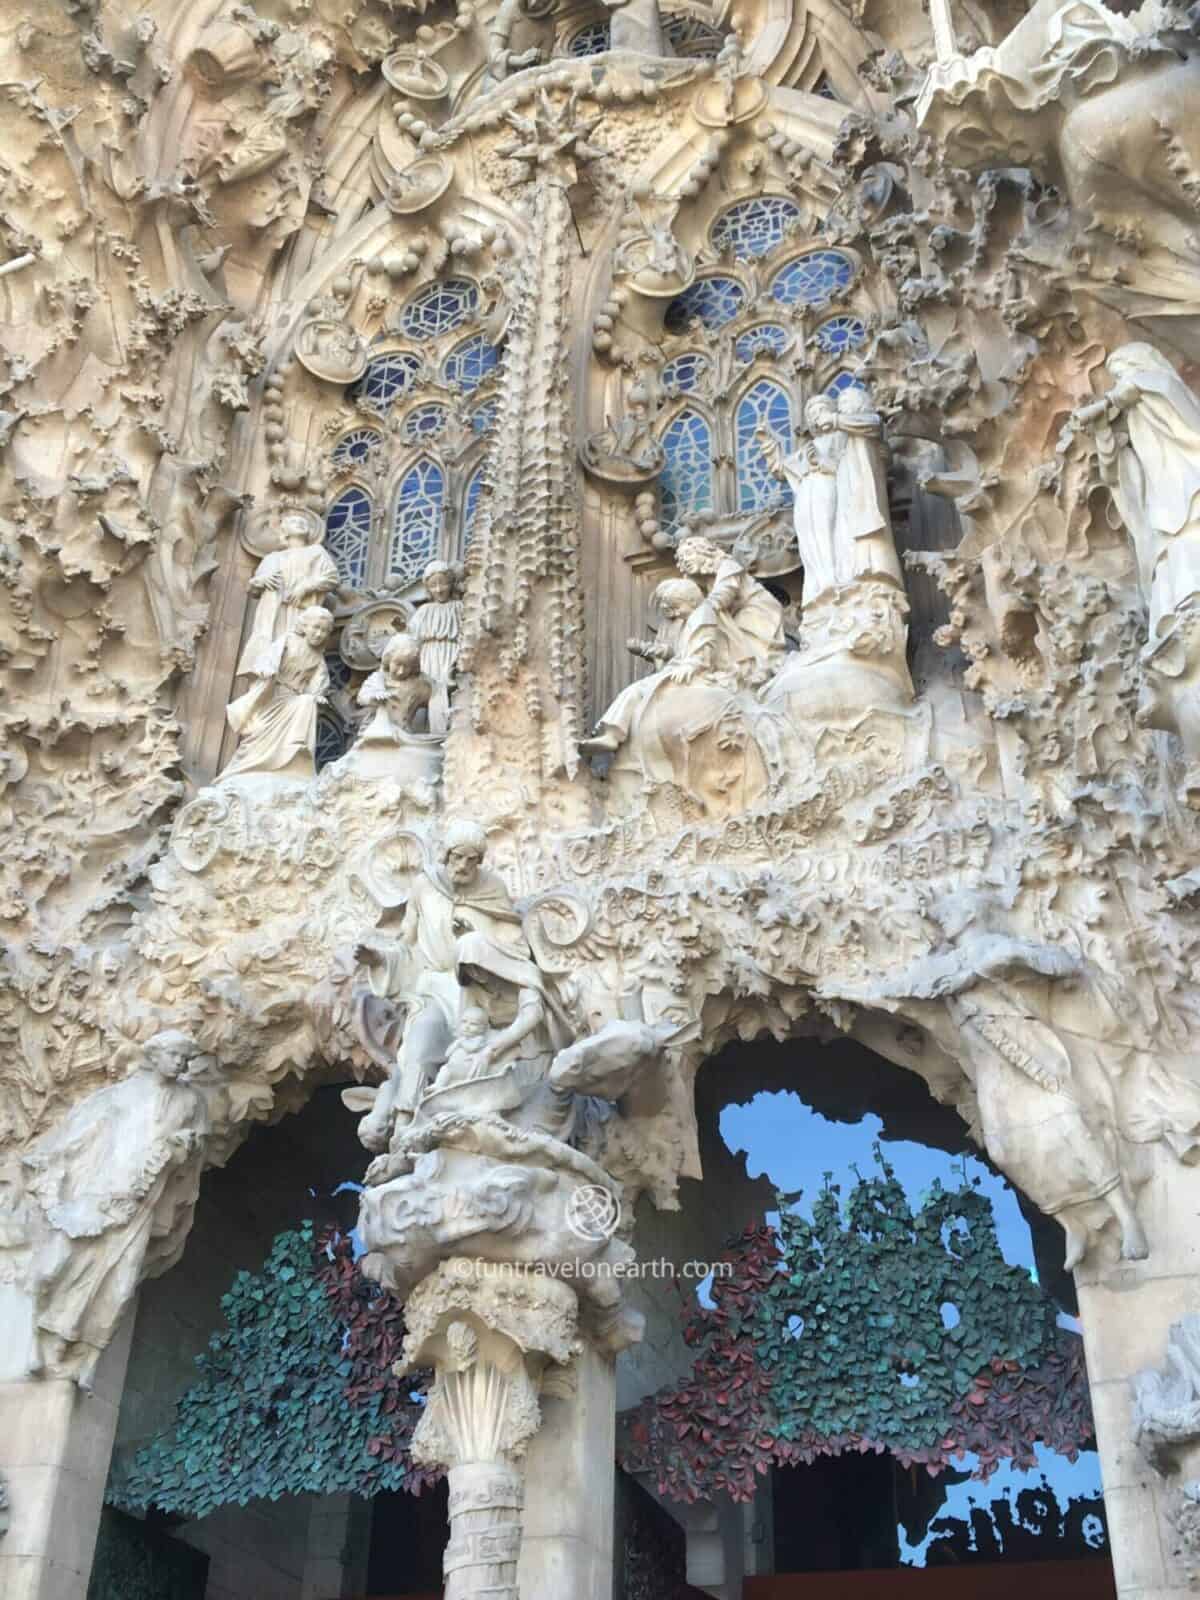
{"x":258,"y":260}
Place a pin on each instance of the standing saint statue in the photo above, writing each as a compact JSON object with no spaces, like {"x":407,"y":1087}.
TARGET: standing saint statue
{"x":301,"y":574}
{"x":276,"y":718}
{"x":811,"y":472}
{"x":437,"y":627}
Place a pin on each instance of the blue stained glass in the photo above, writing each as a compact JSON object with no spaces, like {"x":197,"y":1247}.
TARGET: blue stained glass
{"x":840,"y":334}
{"x":348,"y":534}
{"x":715,"y":301}
{"x":763,"y":406}
{"x":754,"y":227}
{"x":339,"y":672}
{"x":356,"y":446}
{"x":469,"y":364}
{"x":471,"y":506}
{"x":591,"y":41}
{"x":683,"y":373}
{"x":813,"y":278}
{"x":386,"y":377}
{"x":426,"y":422}
{"x":844,"y":380}
{"x":824,"y":88}
{"x":686,"y":482}
{"x":438,"y":308}
{"x":418,"y":520}
{"x":331,"y":738}
{"x":483,"y":418}
{"x":768,"y":339}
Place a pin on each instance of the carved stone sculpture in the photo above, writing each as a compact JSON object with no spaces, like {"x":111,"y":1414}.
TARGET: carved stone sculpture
{"x":1147,"y":436}
{"x":111,"y":1191}
{"x":437,"y":627}
{"x":396,"y":741}
{"x":287,"y":581}
{"x":1166,"y":1424}
{"x":276,"y":719}
{"x":625,"y":450}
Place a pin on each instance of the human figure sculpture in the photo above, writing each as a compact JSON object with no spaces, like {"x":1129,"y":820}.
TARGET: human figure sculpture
{"x":626,"y":448}
{"x":114,"y":1184}
{"x":747,"y":617}
{"x":301,"y":574}
{"x":397,"y":691}
{"x":417,"y":974}
{"x":276,"y":718}
{"x":637,"y":25}
{"x":1147,"y":436}
{"x":437,"y":628}
{"x":841,"y":515}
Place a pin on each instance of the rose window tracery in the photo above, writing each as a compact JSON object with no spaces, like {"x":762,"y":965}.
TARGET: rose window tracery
{"x":439,"y":309}
{"x":755,"y":227}
{"x":384,"y":381}
{"x":812,"y":279}
{"x":712,"y":301}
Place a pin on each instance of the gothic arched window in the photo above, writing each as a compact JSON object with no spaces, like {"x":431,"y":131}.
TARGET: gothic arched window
{"x":348,"y":534}
{"x":469,"y":363}
{"x":683,"y":374}
{"x":813,"y":278}
{"x":438,"y":308}
{"x":767,"y":339}
{"x":840,"y":334}
{"x":765,"y":405}
{"x":417,"y":520}
{"x":713,"y":301}
{"x":686,"y":481}
{"x":356,"y":446}
{"x":426,"y":422}
{"x":483,"y":418}
{"x":592,"y":40}
{"x":690,"y":36}
{"x":754,"y":227}
{"x":385,"y":380}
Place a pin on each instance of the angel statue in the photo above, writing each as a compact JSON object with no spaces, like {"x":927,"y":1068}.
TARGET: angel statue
{"x":276,"y":718}
{"x":301,"y":574}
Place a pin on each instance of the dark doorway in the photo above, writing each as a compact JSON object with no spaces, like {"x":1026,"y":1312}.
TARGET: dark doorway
{"x":408,"y":1536}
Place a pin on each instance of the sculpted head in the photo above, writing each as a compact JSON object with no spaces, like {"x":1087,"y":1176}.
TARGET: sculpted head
{"x":170,"y":1053}
{"x":696,"y":556}
{"x":314,"y":625}
{"x":677,"y":597}
{"x":401,"y":657}
{"x":439,"y":580}
{"x":820,"y":414}
{"x":295,"y":530}
{"x":473,"y":1023}
{"x":464,"y":846}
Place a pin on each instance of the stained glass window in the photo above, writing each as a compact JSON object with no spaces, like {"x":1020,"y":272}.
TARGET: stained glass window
{"x":844,"y":380}
{"x":339,"y":672}
{"x":483,"y":418}
{"x":331,"y":738}
{"x":469,"y":363}
{"x":425,"y":422}
{"x":686,"y":481}
{"x":386,"y":377}
{"x":356,"y":446}
{"x":348,"y":534}
{"x":768,"y":339}
{"x":813,"y":278}
{"x":754,"y":227}
{"x":824,"y":88}
{"x":471,"y":506}
{"x":438,"y":308}
{"x":683,"y":374}
{"x":763,"y":406}
{"x":715,"y":301}
{"x":418,"y":520}
{"x":840,"y":334}
{"x":591,"y":41}
{"x":689,"y":36}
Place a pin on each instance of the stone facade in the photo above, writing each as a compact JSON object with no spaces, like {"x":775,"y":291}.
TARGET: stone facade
{"x":377,"y":379}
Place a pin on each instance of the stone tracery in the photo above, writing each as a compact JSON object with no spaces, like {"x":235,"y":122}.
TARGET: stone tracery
{"x":309,"y":268}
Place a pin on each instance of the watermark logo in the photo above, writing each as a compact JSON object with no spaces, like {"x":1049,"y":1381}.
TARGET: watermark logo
{"x":593,"y":1212}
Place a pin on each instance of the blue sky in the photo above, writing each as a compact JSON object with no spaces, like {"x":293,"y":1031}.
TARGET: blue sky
{"x":795,"y":1146}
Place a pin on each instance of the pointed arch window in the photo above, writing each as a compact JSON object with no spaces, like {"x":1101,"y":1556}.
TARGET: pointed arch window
{"x":348,"y":534}
{"x":686,"y":483}
{"x":767,"y":406}
{"x":417,"y":522}
{"x":483,"y":418}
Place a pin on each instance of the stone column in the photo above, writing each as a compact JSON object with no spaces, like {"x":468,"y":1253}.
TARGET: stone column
{"x":55,"y":1445}
{"x":490,"y":1333}
{"x":1128,"y":1310}
{"x":570,"y":1487}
